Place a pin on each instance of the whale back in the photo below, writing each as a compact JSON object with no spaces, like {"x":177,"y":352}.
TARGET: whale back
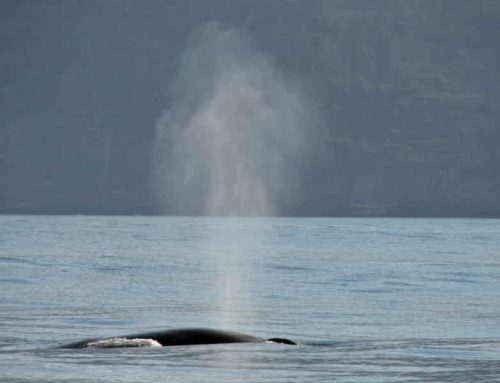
{"x":197,"y":336}
{"x":179,"y":337}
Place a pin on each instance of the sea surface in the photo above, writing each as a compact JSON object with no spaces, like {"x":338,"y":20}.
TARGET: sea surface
{"x":368,"y":300}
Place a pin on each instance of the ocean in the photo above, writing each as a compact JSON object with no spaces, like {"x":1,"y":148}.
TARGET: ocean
{"x":367,"y":300}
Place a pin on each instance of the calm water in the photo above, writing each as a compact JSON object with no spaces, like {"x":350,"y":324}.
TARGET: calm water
{"x":369,"y":300}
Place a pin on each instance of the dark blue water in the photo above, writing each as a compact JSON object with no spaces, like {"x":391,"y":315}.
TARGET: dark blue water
{"x":369,"y":300}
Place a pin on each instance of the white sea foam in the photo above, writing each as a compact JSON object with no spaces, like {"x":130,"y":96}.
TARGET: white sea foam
{"x":125,"y":342}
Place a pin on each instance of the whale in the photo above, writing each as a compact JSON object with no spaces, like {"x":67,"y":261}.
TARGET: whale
{"x":176,"y":337}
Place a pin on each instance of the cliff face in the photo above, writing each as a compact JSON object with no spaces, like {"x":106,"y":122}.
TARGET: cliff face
{"x":411,"y":103}
{"x":407,"y":94}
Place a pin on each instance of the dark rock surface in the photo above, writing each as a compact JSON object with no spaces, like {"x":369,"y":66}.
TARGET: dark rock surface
{"x":408,"y":94}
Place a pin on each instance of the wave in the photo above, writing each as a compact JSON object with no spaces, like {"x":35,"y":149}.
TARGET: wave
{"x":124,"y":342}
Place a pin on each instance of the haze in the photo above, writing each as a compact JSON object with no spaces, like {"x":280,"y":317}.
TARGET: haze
{"x":317,"y":108}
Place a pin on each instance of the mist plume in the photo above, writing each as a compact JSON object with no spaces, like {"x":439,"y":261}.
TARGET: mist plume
{"x":231,"y":141}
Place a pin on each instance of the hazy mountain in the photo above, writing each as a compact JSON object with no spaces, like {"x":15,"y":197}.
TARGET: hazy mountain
{"x":405,"y":97}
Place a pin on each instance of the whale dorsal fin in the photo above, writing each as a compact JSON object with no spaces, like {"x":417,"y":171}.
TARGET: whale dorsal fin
{"x":281,"y":340}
